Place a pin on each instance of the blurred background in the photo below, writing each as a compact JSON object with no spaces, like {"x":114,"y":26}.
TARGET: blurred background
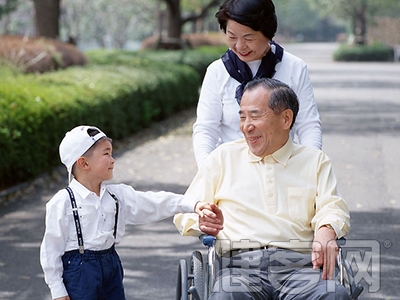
{"x":125,"y":24}
{"x":136,"y":43}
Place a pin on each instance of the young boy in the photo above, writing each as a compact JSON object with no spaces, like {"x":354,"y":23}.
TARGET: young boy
{"x":85,"y":220}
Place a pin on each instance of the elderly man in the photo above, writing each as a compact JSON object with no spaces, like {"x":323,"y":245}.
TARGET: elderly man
{"x":275,"y":208}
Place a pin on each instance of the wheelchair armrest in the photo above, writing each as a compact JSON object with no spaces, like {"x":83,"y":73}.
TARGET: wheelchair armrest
{"x":341,"y":241}
{"x":208,"y":240}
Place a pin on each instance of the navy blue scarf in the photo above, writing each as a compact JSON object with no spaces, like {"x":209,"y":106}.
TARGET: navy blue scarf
{"x":241,"y":71}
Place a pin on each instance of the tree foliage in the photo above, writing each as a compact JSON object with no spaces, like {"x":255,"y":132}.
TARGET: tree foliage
{"x":176,"y":19}
{"x":113,"y":25}
{"x":7,"y":7}
{"x":109,"y":25}
{"x":357,"y":13}
{"x":297,"y":20}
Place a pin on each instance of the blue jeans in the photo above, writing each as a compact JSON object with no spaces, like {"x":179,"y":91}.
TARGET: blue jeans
{"x":94,"y":275}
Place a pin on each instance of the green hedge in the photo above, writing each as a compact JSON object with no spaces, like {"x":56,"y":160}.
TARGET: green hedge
{"x":375,"y":52}
{"x":198,"y":58}
{"x":120,"y":92}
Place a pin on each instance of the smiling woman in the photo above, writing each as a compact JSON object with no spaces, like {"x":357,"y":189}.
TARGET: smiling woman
{"x":250,"y":26}
{"x":246,"y":43}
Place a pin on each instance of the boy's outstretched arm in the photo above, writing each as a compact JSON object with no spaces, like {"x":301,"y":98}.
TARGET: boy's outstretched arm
{"x":211,"y":219}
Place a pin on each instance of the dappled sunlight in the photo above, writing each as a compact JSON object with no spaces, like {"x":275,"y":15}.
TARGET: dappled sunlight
{"x":7,"y":295}
{"x":27,"y":245}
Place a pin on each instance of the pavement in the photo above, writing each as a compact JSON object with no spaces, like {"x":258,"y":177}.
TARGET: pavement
{"x":359,"y":104}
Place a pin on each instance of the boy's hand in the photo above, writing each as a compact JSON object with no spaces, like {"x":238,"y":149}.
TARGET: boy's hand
{"x":199,"y":207}
{"x":63,"y":298}
{"x":211,"y":219}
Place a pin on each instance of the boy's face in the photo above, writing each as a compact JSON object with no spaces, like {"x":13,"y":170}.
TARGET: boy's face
{"x":101,"y":161}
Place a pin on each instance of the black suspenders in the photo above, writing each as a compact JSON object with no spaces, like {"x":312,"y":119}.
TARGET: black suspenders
{"x":78,"y":223}
{"x":116,"y":213}
{"x":76,"y":220}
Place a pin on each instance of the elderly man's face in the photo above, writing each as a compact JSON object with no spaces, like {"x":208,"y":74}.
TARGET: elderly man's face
{"x":264,"y":131}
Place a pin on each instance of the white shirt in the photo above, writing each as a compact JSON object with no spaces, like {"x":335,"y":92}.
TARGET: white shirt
{"x":97,"y":218}
{"x":270,"y":201}
{"x":218,"y":111}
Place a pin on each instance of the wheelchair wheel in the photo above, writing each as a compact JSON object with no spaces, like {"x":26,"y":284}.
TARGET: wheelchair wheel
{"x":353,"y":289}
{"x":196,"y":277}
{"x":182,"y":282}
{"x":190,"y":283}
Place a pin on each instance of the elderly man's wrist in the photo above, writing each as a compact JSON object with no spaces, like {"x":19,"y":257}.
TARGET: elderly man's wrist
{"x":329,"y":226}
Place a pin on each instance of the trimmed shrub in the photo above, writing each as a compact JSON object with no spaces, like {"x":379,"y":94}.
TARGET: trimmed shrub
{"x":375,"y":52}
{"x":198,"y":58}
{"x":191,"y":40}
{"x":38,"y":54}
{"x":36,"y":111}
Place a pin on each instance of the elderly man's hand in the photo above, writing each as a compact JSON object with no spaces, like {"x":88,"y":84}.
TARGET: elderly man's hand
{"x":325,"y":252}
{"x":211,"y":219}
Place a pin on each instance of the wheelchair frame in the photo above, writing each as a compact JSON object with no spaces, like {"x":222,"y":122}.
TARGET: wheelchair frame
{"x":195,"y":283}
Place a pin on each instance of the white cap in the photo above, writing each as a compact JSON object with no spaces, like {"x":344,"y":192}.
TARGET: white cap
{"x":75,"y":143}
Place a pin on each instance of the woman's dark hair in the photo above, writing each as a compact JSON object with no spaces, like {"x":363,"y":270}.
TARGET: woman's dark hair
{"x":281,"y":95}
{"x":259,"y":15}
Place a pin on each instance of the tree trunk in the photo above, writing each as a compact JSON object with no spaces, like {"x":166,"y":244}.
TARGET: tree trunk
{"x":174,"y":27}
{"x":360,"y":24}
{"x":174,"y":19}
{"x":47,"y":14}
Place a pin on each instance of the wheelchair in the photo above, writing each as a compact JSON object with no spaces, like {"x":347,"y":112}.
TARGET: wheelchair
{"x":196,"y":280}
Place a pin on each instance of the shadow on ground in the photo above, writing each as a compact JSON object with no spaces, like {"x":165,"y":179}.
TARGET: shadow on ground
{"x":360,"y":118}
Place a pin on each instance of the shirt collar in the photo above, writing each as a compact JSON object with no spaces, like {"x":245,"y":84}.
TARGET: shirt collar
{"x":280,"y":156}
{"x":80,"y":189}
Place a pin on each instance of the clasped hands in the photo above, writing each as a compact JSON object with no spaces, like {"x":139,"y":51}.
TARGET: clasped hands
{"x":211,"y":219}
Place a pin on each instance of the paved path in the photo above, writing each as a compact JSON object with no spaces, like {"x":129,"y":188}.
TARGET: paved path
{"x":359,"y":105}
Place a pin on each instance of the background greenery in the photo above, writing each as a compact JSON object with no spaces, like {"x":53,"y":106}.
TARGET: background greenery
{"x":374,"y":52}
{"x":118,"y":91}
{"x":122,"y":92}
